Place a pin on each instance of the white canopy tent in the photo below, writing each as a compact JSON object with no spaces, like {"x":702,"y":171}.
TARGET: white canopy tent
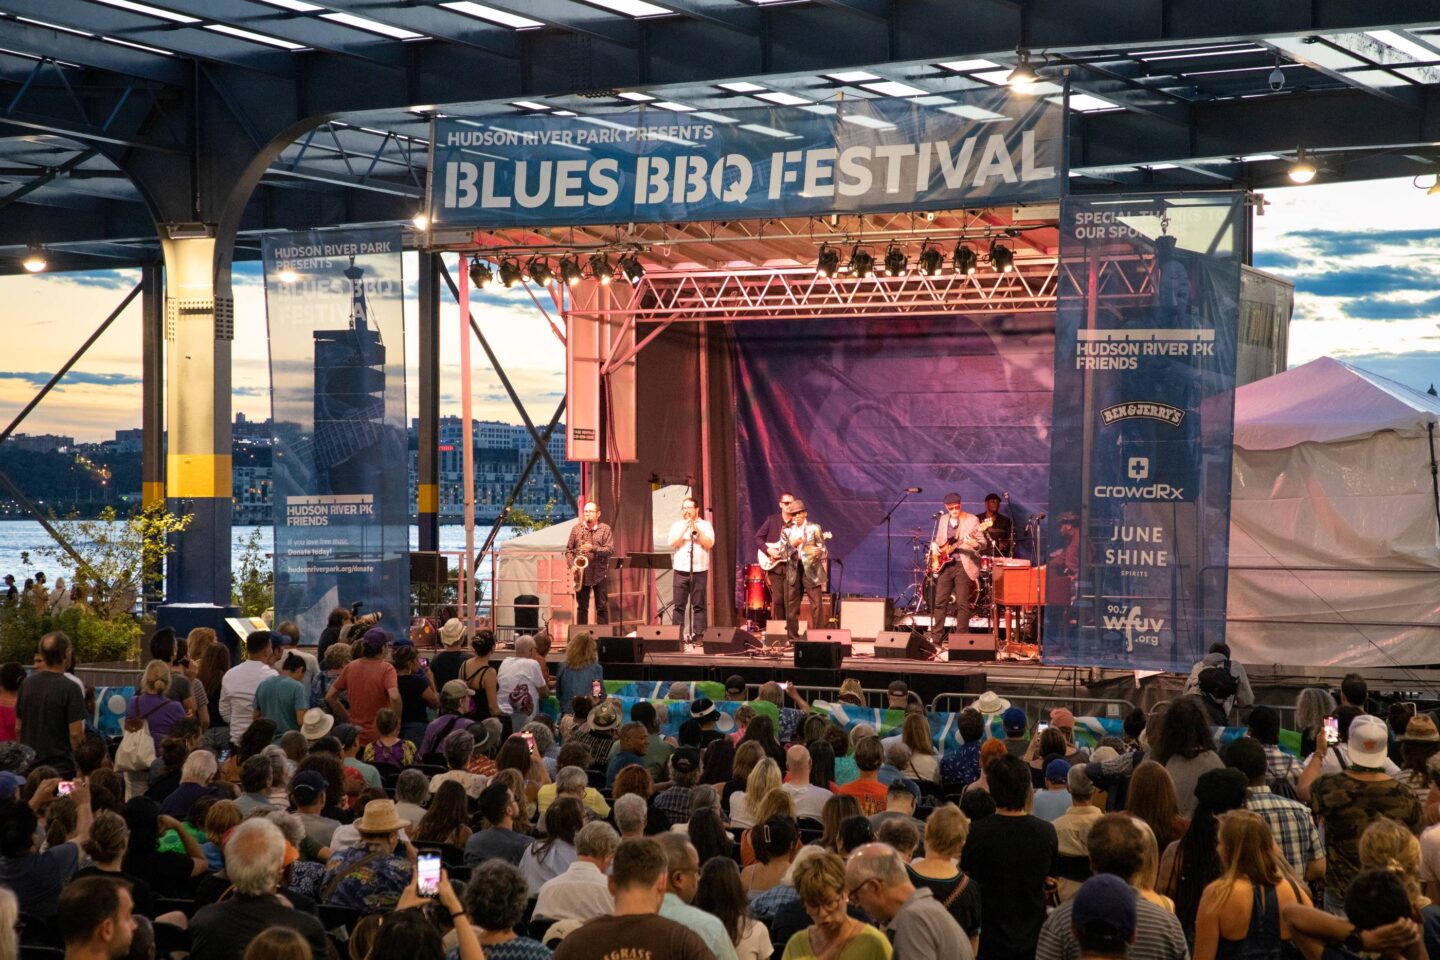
{"x":1334,"y":524}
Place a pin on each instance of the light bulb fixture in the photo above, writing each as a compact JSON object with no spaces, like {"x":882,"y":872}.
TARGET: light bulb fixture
{"x":510,"y":273}
{"x":538,"y":269}
{"x":1002,"y":258}
{"x":862,"y":262}
{"x":1277,"y":77}
{"x":35,"y":260}
{"x":630,"y":266}
{"x":932,"y":261}
{"x":1303,"y":170}
{"x":481,"y":276}
{"x":1023,"y":78}
{"x":828,"y":263}
{"x":569,"y":271}
{"x":421,"y":220}
{"x":895,"y":261}
{"x":601,"y":268}
{"x":967,"y":261}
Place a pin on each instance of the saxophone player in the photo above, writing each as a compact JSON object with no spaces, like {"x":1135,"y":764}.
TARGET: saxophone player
{"x":594,"y":541}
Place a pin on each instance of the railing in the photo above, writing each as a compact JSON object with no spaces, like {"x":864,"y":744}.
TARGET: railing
{"x":1036,"y":706}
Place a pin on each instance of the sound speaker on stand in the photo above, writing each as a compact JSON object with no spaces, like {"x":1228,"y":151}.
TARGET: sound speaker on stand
{"x":900,"y":645}
{"x":725,"y":641}
{"x":660,"y":637}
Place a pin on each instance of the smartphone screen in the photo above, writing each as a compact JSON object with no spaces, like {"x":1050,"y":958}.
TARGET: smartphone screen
{"x":529,"y":740}
{"x":784,"y":684}
{"x":428,"y":874}
{"x":597,"y":689}
{"x":224,"y":755}
{"x":64,"y":788}
{"x":425,"y":663}
{"x":1332,"y":730}
{"x":1041,"y":726}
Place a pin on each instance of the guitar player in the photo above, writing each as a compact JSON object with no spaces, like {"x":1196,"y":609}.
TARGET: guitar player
{"x":960,"y":535}
{"x":769,"y":541}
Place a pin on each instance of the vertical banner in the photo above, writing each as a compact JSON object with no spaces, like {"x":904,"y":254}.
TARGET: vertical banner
{"x":1145,"y":354}
{"x":337,"y":372}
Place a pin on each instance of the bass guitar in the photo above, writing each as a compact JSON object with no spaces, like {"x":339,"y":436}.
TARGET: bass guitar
{"x":943,"y":554}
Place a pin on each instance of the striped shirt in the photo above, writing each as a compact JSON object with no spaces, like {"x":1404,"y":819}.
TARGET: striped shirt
{"x":1291,"y":825}
{"x":1157,"y":935}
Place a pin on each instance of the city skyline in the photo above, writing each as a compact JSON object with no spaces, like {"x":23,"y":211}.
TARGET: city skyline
{"x":1364,"y":294}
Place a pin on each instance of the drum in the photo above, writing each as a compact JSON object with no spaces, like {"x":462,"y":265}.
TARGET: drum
{"x":757,"y":588}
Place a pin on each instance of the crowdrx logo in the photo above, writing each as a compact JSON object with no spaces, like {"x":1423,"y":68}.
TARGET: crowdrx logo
{"x":1138,"y":468}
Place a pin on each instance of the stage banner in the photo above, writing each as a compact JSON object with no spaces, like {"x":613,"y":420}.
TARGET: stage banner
{"x":849,"y":414}
{"x":334,"y":303}
{"x":1139,"y":524}
{"x":986,"y":147}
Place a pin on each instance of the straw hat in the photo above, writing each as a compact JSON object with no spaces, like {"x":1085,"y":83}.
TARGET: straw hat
{"x":453,"y":633}
{"x":380,"y":817}
{"x":990,"y":703}
{"x":317,"y":723}
{"x":1420,"y":730}
{"x":605,"y":715}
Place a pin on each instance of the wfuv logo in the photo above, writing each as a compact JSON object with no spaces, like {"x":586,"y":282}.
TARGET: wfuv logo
{"x":1138,"y":468}
{"x":1142,"y":410}
{"x":1132,"y":622}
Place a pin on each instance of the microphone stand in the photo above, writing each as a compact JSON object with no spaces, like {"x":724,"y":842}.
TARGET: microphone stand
{"x":895,"y":506}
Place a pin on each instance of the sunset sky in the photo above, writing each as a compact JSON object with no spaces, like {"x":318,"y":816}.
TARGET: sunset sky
{"x":1366,"y":293}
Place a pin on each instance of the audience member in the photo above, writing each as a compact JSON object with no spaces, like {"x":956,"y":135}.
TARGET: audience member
{"x":901,"y":799}
{"x":499,"y":840}
{"x":1151,"y":797}
{"x":819,"y":883}
{"x":96,"y":919}
{"x":920,"y":926}
{"x":582,"y":892}
{"x":370,"y":876}
{"x":866,"y":787}
{"x":1186,"y":749}
{"x":1051,"y":802}
{"x":630,"y":815}
{"x":284,"y":697}
{"x":50,"y":710}
{"x":1219,"y":683}
{"x":684,"y":771}
{"x":945,"y":833}
{"x":961,"y":767}
{"x":446,"y":820}
{"x":1072,"y":830}
{"x":1289,"y":821}
{"x":371,"y":685}
{"x":545,"y":859}
{"x":1240,"y":912}
{"x":37,"y":877}
{"x":776,"y":841}
{"x":1190,"y":863}
{"x":238,"y":686}
{"x":809,"y":797}
{"x":495,"y":901}
{"x":519,"y":685}
{"x":720,"y":894}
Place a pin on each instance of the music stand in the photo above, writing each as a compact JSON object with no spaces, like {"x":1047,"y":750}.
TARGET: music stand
{"x":652,"y":562}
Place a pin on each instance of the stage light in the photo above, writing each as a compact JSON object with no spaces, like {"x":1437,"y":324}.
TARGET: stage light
{"x":932,"y":261}
{"x":481,"y":276}
{"x":895,"y":261}
{"x":1002,"y":258}
{"x":630,"y":266}
{"x":569,"y":271}
{"x":35,"y":260}
{"x":828,"y":262}
{"x":862,"y":262}
{"x":1302,"y":170}
{"x":421,"y":221}
{"x":967,"y":261}
{"x":1023,"y":78}
{"x":601,"y":268}
{"x":286,"y":276}
{"x":510,"y":273}
{"x":538,"y":269}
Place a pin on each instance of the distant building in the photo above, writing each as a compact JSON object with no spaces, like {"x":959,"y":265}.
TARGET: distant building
{"x":40,"y":442}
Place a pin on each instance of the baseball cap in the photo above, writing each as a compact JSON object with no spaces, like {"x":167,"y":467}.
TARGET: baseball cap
{"x":951,"y":499}
{"x":685,"y":760}
{"x":1013,"y":720}
{"x":898,"y":688}
{"x":1369,"y":741}
{"x":10,"y":782}
{"x":1062,"y":717}
{"x":375,"y":639}
{"x":1103,"y":914}
{"x":701,"y":707}
{"x":906,"y":784}
{"x":307,"y":786}
{"x":734,"y":684}
{"x":1057,"y":771}
{"x":454,"y":690}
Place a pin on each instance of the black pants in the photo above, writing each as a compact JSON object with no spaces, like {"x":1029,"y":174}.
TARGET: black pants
{"x":812,"y":591}
{"x":953,"y":590}
{"x":689,"y":591}
{"x":602,"y":603}
{"x":785,"y":594}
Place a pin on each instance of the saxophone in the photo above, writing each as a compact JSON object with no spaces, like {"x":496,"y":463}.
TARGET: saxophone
{"x":581,"y":561}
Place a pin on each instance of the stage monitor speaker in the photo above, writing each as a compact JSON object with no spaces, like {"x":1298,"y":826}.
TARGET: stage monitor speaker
{"x":866,"y":617}
{"x":818,"y":656}
{"x":722,"y":641}
{"x":900,"y":645}
{"x":841,"y":637}
{"x":428,"y":568}
{"x":660,"y":637}
{"x":620,"y":650}
{"x":971,"y":646}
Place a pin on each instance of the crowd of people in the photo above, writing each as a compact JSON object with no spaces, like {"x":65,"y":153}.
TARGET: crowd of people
{"x":357,"y":798}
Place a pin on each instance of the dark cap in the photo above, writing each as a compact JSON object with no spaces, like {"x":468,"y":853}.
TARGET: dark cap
{"x":898,"y":688}
{"x":797,"y":506}
{"x":1103,"y":914}
{"x":951,"y":499}
{"x":685,"y":760}
{"x":375,"y":639}
{"x":701,"y":707}
{"x":307,"y":786}
{"x":735,"y":683}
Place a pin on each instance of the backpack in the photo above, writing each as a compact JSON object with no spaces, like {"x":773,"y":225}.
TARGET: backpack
{"x":1218,"y":683}
{"x":137,"y":748}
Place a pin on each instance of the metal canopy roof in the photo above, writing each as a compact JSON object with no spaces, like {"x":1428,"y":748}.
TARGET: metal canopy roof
{"x":1183,"y":94}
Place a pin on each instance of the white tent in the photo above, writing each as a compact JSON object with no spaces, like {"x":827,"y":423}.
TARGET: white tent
{"x":1334,"y":533}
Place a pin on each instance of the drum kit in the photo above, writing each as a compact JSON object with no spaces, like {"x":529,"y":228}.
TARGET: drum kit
{"x":914,"y":607}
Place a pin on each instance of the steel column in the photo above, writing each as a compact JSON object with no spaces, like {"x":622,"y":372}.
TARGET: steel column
{"x":152,"y":401}
{"x":427,"y":481}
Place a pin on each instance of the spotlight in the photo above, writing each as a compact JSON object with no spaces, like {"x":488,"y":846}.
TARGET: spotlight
{"x":630,"y":266}
{"x":420,"y":220}
{"x":601,"y":268}
{"x":862,"y":263}
{"x":1277,"y":77}
{"x":286,"y":276}
{"x":538,"y":269}
{"x":510,"y":273}
{"x":481,"y":276}
{"x":1002,"y":258}
{"x":895,"y":261}
{"x":35,"y":260}
{"x":1023,"y":78}
{"x":1303,"y":170}
{"x":967,"y":261}
{"x":829,"y":261}
{"x":569,"y":271}
{"x":931,"y":260}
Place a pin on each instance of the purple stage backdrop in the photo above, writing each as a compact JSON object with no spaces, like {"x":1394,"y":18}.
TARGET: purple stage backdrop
{"x":847,"y":414}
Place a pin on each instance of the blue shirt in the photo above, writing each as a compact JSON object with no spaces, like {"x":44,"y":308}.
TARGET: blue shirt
{"x":576,"y":682}
{"x":619,"y":762}
{"x":961,"y":767}
{"x":707,"y":926}
{"x":277,"y":698}
{"x":1051,"y":804}
{"x":375,"y":887}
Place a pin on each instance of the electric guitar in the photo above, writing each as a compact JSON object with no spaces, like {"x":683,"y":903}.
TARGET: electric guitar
{"x":945,"y":553}
{"x":766,"y":557}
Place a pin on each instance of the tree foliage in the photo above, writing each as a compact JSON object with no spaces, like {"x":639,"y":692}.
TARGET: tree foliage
{"x":253,"y":588}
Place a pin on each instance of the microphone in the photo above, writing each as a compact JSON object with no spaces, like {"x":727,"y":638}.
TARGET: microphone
{"x":937,"y":514}
{"x":1038,"y":516}
{"x":913,"y":490}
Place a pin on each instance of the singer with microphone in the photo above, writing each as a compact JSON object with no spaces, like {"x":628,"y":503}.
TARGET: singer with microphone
{"x":691,"y":540}
{"x":1001,"y":534}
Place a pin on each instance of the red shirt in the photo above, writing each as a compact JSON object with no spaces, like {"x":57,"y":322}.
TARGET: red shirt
{"x":369,"y":681}
{"x":870,"y":793}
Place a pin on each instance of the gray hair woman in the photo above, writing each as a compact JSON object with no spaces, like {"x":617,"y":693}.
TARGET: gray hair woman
{"x":495,"y":902}
{"x":1312,"y":706}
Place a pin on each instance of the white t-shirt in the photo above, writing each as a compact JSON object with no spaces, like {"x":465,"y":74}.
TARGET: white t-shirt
{"x":519,"y":679}
{"x":809,"y":799}
{"x":754,"y":942}
{"x":681,"y":558}
{"x":1430,"y":855}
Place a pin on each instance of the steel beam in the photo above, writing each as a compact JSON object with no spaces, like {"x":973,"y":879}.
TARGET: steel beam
{"x":152,"y":400}
{"x":427,"y":480}
{"x":41,"y":41}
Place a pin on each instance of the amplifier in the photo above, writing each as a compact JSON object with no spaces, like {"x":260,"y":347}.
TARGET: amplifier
{"x":428,"y":568}
{"x":719,"y":641}
{"x":620,"y":650}
{"x":866,"y":617}
{"x":971,"y":646}
{"x":840,"y":637}
{"x":818,"y":656}
{"x":660,"y":637}
{"x":900,"y":645}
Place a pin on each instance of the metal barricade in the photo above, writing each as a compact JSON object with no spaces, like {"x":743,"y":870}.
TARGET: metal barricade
{"x":1039,"y":705}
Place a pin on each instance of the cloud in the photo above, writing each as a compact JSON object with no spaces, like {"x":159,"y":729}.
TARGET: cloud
{"x":1352,"y":243}
{"x":1364,"y":281}
{"x":1371,"y":308}
{"x":1276,"y":260}
{"x":1417,"y":370}
{"x":103,"y":281}
{"x":73,"y":378}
